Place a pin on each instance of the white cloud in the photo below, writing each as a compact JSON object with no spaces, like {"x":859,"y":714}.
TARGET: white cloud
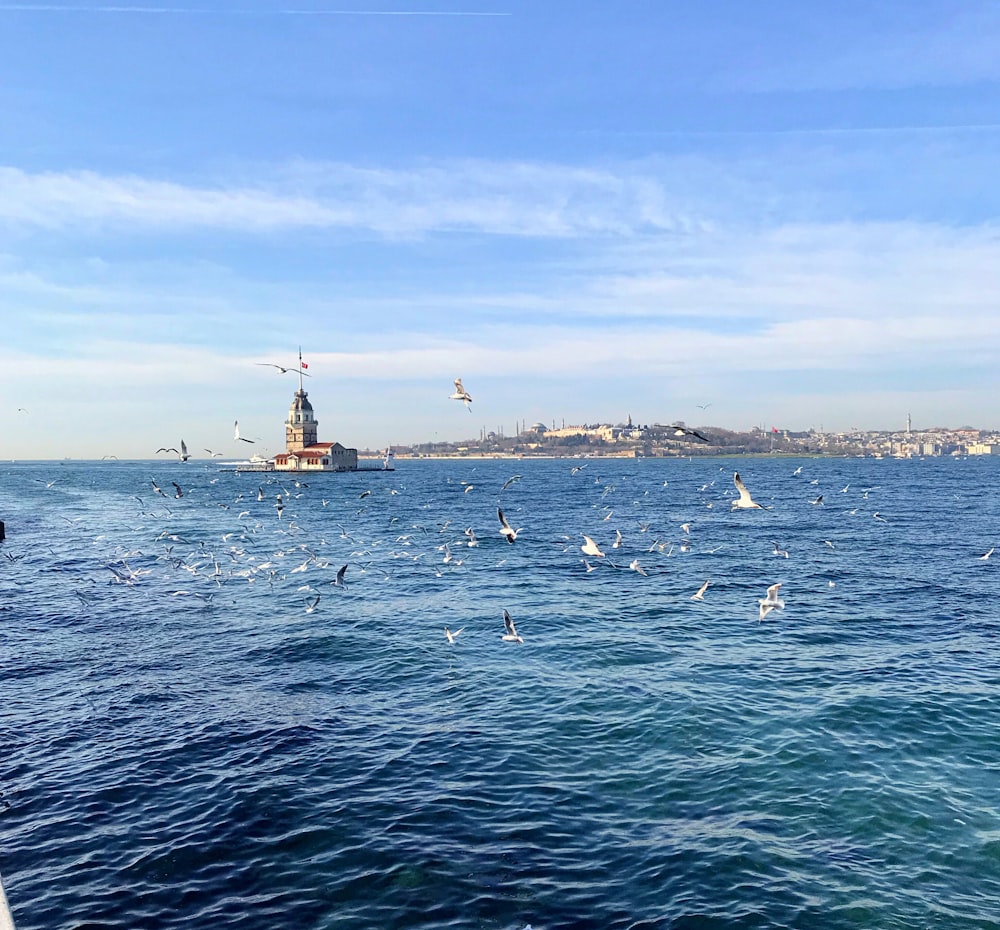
{"x":547,"y":200}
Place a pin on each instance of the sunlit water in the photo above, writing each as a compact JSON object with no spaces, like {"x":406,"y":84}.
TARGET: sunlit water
{"x":184,"y":743}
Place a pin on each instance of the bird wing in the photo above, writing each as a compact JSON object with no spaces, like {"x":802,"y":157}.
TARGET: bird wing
{"x":503,"y":520}
{"x":772,"y":592}
{"x":742,"y":488}
{"x":508,"y":624}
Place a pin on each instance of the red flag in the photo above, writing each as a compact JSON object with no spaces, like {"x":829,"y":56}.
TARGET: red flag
{"x":774,"y":429}
{"x":304,"y":365}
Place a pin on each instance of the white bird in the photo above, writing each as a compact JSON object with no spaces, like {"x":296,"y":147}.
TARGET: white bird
{"x":699,"y":595}
{"x":505,"y":528}
{"x":778,"y":551}
{"x":236,"y":430}
{"x":588,"y":566}
{"x":590,"y":547}
{"x":284,"y":371}
{"x":312,"y":604}
{"x":451,"y":636}
{"x":636,"y":567}
{"x":745,"y":501}
{"x":983,"y":558}
{"x":617,"y":544}
{"x":461,"y":394}
{"x":511,"y":635}
{"x":771,"y":602}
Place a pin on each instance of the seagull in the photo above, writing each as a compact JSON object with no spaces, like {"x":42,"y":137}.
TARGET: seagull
{"x":339,"y":580}
{"x":510,"y":481}
{"x":179,"y":493}
{"x":745,"y":501}
{"x":684,"y":431}
{"x":280,"y":506}
{"x":704,"y":406}
{"x":312,"y":604}
{"x":511,"y":635}
{"x":617,"y":544}
{"x":699,"y":595}
{"x":983,"y":558}
{"x":778,"y":551}
{"x":473,"y":539}
{"x":213,"y":454}
{"x":236,"y":428}
{"x":771,"y":602}
{"x":283,"y":370}
{"x":157,"y":488}
{"x":636,"y":567}
{"x":462,"y":394}
{"x":819,"y":500}
{"x":451,"y":636}
{"x":588,"y":566}
{"x":505,"y":527}
{"x":590,"y":547}
{"x":798,"y":471}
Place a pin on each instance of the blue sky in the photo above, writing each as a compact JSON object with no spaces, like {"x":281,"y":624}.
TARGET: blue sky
{"x":584,"y":210}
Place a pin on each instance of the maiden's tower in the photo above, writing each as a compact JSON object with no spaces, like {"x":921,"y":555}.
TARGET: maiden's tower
{"x":303,"y":450}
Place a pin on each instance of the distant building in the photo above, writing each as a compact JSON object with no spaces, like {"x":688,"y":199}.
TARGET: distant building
{"x":303,"y":451}
{"x":983,"y":448}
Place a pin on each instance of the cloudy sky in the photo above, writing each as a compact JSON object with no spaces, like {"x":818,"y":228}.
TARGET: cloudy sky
{"x":585,"y":210}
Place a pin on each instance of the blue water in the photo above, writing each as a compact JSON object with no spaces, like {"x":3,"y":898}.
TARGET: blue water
{"x":183,"y":743}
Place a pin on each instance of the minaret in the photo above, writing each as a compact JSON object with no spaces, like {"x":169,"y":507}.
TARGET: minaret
{"x":301,"y":426}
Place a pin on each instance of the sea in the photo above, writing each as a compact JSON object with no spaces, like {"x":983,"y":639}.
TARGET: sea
{"x":201,"y":728}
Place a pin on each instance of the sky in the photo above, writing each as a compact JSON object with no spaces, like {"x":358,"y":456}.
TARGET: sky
{"x":587,"y":211}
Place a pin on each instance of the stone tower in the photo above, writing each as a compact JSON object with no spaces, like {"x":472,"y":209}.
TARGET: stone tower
{"x":301,"y":425}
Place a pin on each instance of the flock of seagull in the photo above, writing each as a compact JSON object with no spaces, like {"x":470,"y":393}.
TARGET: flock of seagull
{"x":254,"y":550}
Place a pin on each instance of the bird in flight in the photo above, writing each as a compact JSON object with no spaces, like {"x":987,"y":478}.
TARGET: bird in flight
{"x":461,"y":394}
{"x":699,"y":595}
{"x":506,"y":529}
{"x":591,"y":548}
{"x":745,"y":501}
{"x":684,"y":431}
{"x":236,"y":429}
{"x":511,"y":636}
{"x":284,"y":370}
{"x":450,"y":635}
{"x":771,"y":602}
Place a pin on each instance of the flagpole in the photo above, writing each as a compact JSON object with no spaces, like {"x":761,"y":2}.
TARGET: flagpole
{"x":300,"y":368}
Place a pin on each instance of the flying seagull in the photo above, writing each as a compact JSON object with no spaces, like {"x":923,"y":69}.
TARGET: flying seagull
{"x":699,"y":595}
{"x":451,"y":636}
{"x":745,"y":501}
{"x":590,"y":547}
{"x":283,"y":370}
{"x":771,"y":602}
{"x":511,"y":635}
{"x":506,"y":529}
{"x":684,"y":431}
{"x":181,"y":453}
{"x":984,"y":558}
{"x":236,"y":430}
{"x":462,"y":394}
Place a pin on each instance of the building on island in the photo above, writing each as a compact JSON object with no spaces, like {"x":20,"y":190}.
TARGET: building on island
{"x":303,"y":450}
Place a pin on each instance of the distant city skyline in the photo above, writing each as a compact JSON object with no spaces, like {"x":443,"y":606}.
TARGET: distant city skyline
{"x":584,"y":211}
